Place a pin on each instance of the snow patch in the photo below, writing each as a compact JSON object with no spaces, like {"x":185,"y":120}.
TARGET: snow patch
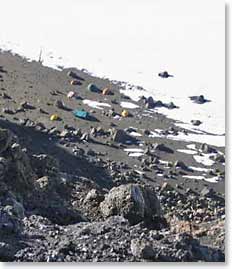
{"x":128,"y":105}
{"x":134,"y":150}
{"x":212,"y":179}
{"x":95,"y":104}
{"x":209,"y":179}
{"x":199,"y":169}
{"x":135,"y":154}
{"x":205,"y":160}
{"x":187,"y":151}
{"x":194,"y":177}
{"x":135,"y":134}
{"x":191,"y":146}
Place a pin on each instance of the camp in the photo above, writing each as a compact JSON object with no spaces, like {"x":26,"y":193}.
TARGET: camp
{"x":81,"y":114}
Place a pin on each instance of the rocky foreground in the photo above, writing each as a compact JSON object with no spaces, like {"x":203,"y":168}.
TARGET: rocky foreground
{"x":76,"y":190}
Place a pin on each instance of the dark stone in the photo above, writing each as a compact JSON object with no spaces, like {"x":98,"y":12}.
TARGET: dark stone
{"x":5,"y":139}
{"x":198,"y":99}
{"x":196,"y":122}
{"x":133,"y":201}
{"x":180,"y":164}
{"x":207,"y":149}
{"x":162,"y":147}
{"x":120,"y":136}
{"x":164,"y":75}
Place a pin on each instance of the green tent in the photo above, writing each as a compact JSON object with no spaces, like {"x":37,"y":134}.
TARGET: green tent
{"x":93,"y":88}
{"x":81,"y":114}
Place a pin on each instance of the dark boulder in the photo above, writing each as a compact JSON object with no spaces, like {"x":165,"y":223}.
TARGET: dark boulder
{"x":120,"y":136}
{"x":134,"y":202}
{"x":162,"y":147}
{"x":199,"y":99}
{"x":196,"y":122}
{"x":164,"y":75}
{"x":207,"y":149}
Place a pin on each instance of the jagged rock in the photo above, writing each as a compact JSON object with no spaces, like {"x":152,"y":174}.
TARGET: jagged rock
{"x":134,"y":202}
{"x":15,"y":165}
{"x":5,"y":139}
{"x":207,"y":149}
{"x":164,"y":75}
{"x":150,"y":103}
{"x":180,"y":164}
{"x":120,"y":136}
{"x":162,"y":147}
{"x":198,"y":99}
{"x":85,"y":137}
{"x":29,"y":123}
{"x":20,"y":174}
{"x":196,"y":122}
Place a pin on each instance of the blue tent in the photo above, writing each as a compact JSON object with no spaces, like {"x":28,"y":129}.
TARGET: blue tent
{"x":81,"y":114}
{"x":93,"y":88}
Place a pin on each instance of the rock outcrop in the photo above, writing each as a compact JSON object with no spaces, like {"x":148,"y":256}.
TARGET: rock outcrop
{"x":133,"y":201}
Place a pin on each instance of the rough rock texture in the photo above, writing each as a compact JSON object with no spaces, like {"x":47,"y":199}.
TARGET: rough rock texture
{"x":120,"y":136}
{"x":113,"y":240}
{"x":134,"y":202}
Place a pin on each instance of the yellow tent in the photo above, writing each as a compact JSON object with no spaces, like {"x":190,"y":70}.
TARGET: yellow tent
{"x":54,"y":117}
{"x":125,"y":113}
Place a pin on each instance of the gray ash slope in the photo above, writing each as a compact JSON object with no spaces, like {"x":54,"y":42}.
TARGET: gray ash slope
{"x":70,"y":192}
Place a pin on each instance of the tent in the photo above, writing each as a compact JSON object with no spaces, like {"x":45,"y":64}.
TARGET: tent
{"x":106,"y":91}
{"x":81,"y":114}
{"x":93,"y":88}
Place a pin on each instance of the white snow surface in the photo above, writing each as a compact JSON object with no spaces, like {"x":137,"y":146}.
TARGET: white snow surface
{"x":128,"y":105}
{"x":95,"y":104}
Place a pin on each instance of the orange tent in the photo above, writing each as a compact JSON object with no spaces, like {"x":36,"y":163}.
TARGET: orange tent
{"x":106,"y":91}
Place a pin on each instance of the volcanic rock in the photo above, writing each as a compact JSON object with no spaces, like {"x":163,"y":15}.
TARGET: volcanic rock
{"x":133,"y":201}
